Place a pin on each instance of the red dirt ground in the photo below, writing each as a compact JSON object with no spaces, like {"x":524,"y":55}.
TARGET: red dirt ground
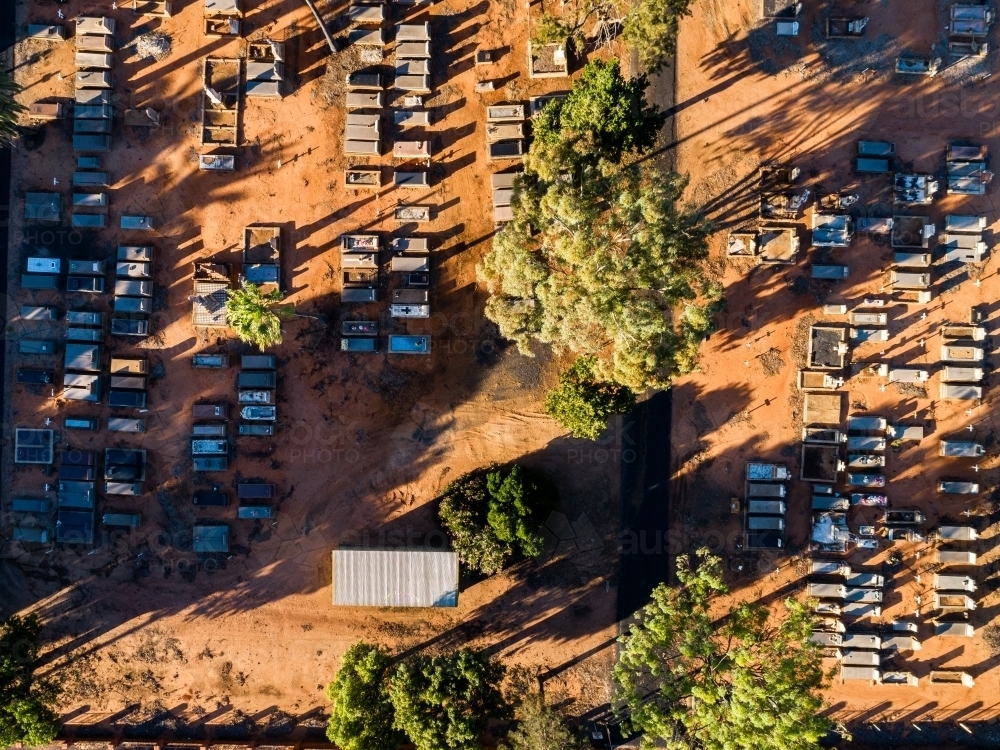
{"x":365,"y":442}
{"x":793,"y":101}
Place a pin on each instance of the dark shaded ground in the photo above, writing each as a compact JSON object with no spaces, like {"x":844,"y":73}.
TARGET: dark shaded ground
{"x":6,"y":61}
{"x":645,"y":561}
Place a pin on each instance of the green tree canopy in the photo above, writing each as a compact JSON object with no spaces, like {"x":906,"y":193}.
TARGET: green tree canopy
{"x":568,"y":27}
{"x":10,"y":108}
{"x":551,"y":29}
{"x":605,"y":116}
{"x":649,"y":27}
{"x":540,"y":727}
{"x":27,"y":714}
{"x":445,"y":702}
{"x":600,"y":258}
{"x":362,"y":715}
{"x":598,"y":265}
{"x":741,"y":682}
{"x":256,"y":316}
{"x":582,"y":404}
{"x":651,"y":30}
{"x":493,"y":513}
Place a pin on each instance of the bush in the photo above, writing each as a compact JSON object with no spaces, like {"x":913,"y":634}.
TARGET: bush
{"x":540,"y":727}
{"x":583,"y":404}
{"x":445,"y":702}
{"x":493,"y":513}
{"x":362,"y":715}
{"x":552,"y":30}
{"x":26,"y":701}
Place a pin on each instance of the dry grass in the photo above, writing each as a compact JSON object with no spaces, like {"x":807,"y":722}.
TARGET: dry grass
{"x":739,"y":418}
{"x":991,"y":636}
{"x":772,"y":362}
{"x":911,"y":389}
{"x":800,"y":341}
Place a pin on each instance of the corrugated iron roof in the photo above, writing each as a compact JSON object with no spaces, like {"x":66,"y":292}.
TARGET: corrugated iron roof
{"x":395,"y":578}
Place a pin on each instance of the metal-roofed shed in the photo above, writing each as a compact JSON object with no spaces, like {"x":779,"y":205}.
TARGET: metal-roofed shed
{"x":395,"y":578}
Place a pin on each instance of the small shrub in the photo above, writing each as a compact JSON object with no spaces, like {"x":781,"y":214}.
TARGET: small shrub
{"x":540,"y":727}
{"x":991,"y":636}
{"x":583,"y":404}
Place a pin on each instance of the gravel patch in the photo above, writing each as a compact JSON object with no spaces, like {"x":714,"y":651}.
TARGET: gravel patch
{"x":154,"y":45}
